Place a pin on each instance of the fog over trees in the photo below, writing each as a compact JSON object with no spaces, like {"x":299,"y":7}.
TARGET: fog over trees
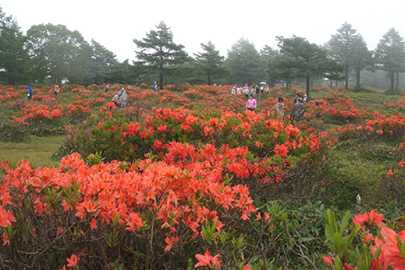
{"x":50,"y":54}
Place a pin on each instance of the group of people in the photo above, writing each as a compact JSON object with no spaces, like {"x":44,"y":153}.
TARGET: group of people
{"x":121,"y":97}
{"x":30,"y":91}
{"x":298,"y":111}
{"x":255,"y":90}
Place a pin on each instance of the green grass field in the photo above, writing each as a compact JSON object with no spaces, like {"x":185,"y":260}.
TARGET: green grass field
{"x":38,"y":151}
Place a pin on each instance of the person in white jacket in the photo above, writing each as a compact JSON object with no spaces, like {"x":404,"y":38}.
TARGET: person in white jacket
{"x":115,"y":100}
{"x":123,"y":97}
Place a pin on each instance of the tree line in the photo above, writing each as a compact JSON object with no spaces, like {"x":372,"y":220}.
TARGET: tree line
{"x":50,"y":53}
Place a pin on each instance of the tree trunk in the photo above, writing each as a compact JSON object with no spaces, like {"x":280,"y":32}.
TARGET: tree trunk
{"x":358,"y":78}
{"x":308,"y":82}
{"x":392,"y":77}
{"x":346,"y":75}
{"x":161,"y":81}
{"x":397,"y":87}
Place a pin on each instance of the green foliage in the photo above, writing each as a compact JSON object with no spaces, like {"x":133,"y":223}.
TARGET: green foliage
{"x":102,"y":64}
{"x":338,"y":240}
{"x":243,"y":62}
{"x":15,"y":64}
{"x":95,"y":159}
{"x":10,"y":132}
{"x":300,"y":59}
{"x":348,"y":48}
{"x":390,"y":55}
{"x":104,"y":139}
{"x":67,"y":53}
{"x":159,"y":53}
{"x":210,"y":63}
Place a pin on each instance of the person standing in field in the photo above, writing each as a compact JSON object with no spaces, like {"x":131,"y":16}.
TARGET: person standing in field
{"x":246,"y":91}
{"x":257,"y":91}
{"x":266,"y":89}
{"x":279,"y":107}
{"x":30,"y":92}
{"x":233,"y":92}
{"x":253,"y":91}
{"x":56,"y":90}
{"x":106,"y":87}
{"x":115,"y":100}
{"x":155,"y":87}
{"x":251,"y":104}
{"x":123,"y":97}
{"x":297,"y":96}
{"x":298,"y":111}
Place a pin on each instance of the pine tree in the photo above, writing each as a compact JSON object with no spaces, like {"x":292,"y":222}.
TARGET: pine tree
{"x":390,"y":55}
{"x":158,"y":52}
{"x":210,"y":63}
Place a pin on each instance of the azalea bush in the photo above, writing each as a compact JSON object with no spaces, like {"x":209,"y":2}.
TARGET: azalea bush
{"x":378,"y":246}
{"x":149,"y":214}
{"x":253,"y":149}
{"x":136,"y":211}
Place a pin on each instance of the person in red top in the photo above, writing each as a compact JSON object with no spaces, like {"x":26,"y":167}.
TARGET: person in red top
{"x":251,"y":103}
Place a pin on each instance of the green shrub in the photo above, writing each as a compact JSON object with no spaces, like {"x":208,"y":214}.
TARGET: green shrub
{"x":12,"y":132}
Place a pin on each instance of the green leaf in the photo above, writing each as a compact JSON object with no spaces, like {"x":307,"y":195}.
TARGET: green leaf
{"x":345,"y":223}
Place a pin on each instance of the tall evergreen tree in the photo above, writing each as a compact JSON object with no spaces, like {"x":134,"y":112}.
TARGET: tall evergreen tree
{"x":14,"y":60}
{"x":268,"y":58}
{"x":244,"y":63}
{"x":340,"y":46}
{"x":158,"y":52}
{"x":361,"y":57}
{"x":390,"y":55}
{"x":210,"y":63}
{"x":102,"y":63}
{"x":303,"y":59}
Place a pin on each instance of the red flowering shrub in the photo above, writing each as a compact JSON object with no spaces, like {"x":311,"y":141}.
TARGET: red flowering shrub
{"x":140,"y":199}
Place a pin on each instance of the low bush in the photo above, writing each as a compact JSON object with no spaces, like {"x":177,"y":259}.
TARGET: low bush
{"x":11,"y":132}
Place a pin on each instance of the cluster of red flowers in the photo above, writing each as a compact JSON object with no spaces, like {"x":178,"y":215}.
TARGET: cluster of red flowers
{"x":107,"y":191}
{"x":334,"y":106}
{"x":36,"y":112}
{"x":389,"y":244}
{"x":399,"y":103}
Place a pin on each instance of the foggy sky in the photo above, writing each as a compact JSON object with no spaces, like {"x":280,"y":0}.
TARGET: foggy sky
{"x":114,"y":24}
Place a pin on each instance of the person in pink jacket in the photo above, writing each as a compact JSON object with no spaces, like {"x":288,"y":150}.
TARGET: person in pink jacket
{"x":251,"y":104}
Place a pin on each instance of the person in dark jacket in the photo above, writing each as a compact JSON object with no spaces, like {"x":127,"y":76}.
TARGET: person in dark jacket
{"x":298,"y":111}
{"x":30,"y":91}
